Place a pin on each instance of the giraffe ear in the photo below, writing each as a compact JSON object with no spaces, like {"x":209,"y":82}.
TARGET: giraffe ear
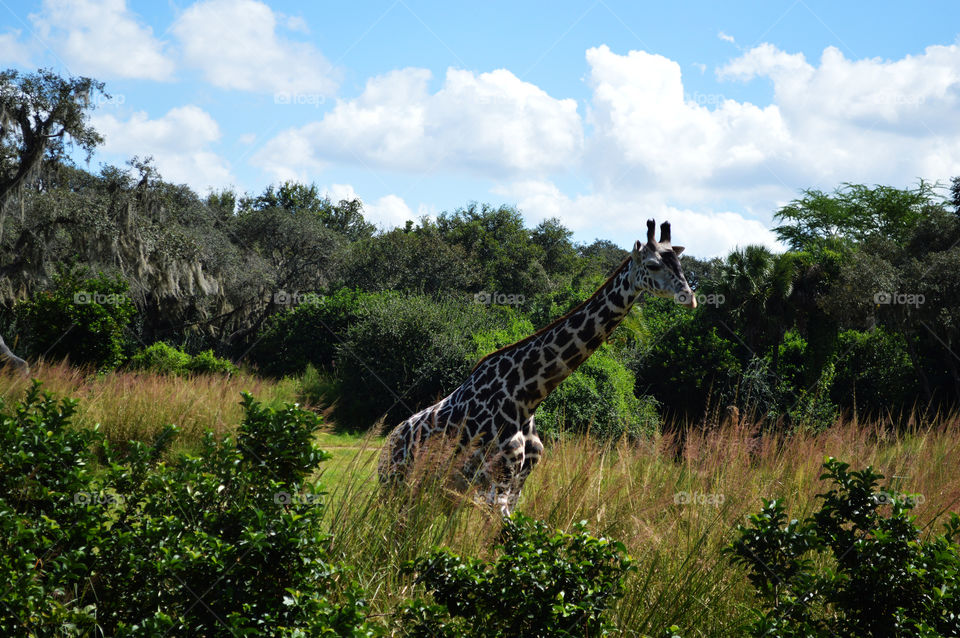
{"x":677,"y":250}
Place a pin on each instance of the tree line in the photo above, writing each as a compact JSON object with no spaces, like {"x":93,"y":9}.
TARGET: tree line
{"x":861,"y":312}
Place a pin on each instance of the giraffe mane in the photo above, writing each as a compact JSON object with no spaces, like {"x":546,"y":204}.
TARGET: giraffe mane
{"x":557,"y":320}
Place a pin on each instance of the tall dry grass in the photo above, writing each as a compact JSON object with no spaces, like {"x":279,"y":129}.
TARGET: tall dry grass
{"x":674,"y":512}
{"x":674,"y":516}
{"x":136,"y":405}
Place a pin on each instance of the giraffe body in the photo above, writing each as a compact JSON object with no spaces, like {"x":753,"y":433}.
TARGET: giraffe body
{"x":491,"y":415}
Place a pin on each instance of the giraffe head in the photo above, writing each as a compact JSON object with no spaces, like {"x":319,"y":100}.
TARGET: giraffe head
{"x":655,"y":267}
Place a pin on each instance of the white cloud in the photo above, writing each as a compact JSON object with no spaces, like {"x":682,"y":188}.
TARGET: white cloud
{"x":179,"y":142}
{"x":621,"y":218}
{"x":237,"y":45}
{"x":718,"y":169}
{"x":873,"y":120}
{"x":386,"y":212}
{"x":726,"y":38}
{"x":103,"y":39}
{"x":648,"y":136}
{"x":491,"y":124}
{"x":13,"y":52}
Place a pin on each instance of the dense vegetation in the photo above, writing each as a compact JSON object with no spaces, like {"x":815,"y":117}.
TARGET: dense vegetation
{"x":156,"y":291}
{"x":861,"y":313}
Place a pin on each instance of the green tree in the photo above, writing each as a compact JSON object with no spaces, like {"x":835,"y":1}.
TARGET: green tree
{"x":853,"y":212}
{"x":345,"y":218}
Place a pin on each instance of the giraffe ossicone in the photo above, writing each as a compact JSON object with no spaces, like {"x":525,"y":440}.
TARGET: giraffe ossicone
{"x":490,"y":416}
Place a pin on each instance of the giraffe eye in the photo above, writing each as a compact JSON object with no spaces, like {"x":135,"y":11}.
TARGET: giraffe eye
{"x":654,"y":265}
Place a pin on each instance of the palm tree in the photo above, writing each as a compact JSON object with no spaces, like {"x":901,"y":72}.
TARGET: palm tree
{"x":756,"y":285}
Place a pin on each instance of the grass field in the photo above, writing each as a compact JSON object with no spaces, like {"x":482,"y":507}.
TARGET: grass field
{"x":674,"y":516}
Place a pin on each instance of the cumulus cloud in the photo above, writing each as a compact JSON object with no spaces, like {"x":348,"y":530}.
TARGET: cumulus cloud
{"x":103,"y":39}
{"x":179,"y":142}
{"x":621,"y":218}
{"x":648,"y":135}
{"x":386,"y":212}
{"x":13,"y":51}
{"x":883,"y":121}
{"x":717,"y":168}
{"x":491,"y":124}
{"x":238,"y":44}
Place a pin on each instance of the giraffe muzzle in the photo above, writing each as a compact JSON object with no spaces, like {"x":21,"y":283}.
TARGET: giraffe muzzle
{"x":686,"y":298}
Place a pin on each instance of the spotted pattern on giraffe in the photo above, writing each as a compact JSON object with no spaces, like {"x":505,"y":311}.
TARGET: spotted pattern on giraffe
{"x":490,"y":415}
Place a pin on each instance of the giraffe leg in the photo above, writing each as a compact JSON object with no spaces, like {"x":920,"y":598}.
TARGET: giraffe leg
{"x":532,"y":451}
{"x":502,"y":470}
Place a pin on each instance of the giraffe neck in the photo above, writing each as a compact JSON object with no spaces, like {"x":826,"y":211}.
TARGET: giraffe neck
{"x":534,"y":366}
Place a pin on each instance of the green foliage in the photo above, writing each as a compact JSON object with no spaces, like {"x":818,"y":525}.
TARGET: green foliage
{"x":598,"y":397}
{"x":81,"y":317}
{"x":683,"y":361}
{"x":294,"y":198}
{"x":852,"y":211}
{"x":517,"y":327}
{"x":544,"y":583}
{"x":165,"y":359}
{"x":161,"y":358}
{"x":205,"y":362}
{"x":873,"y":372}
{"x":402,"y":353}
{"x":510,"y":261}
{"x":414,"y":260}
{"x":227,"y":542}
{"x":308,"y":334}
{"x":880,"y":577}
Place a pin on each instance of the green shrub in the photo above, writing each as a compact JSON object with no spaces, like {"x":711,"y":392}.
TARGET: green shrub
{"x":161,"y":358}
{"x":544,"y":583}
{"x":598,"y":397}
{"x":166,"y":359}
{"x":307,"y":334}
{"x":874,"y":372}
{"x":226,"y":542}
{"x":402,"y":353}
{"x":206,"y":363}
{"x":81,"y":317}
{"x":682,"y":361}
{"x":881,"y":577}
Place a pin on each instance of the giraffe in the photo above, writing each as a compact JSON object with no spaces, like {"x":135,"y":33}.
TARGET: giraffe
{"x":490,"y":416}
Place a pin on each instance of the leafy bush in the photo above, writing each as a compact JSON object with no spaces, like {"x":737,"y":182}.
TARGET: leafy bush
{"x":162,"y":358}
{"x":599,"y":397}
{"x":81,"y":317}
{"x":544,"y":583}
{"x":308,"y":334}
{"x":165,"y":359}
{"x":206,"y":362}
{"x":402,"y":353}
{"x":227,"y":542}
{"x":880,"y":577}
{"x":683,"y":362}
{"x":873,"y":371}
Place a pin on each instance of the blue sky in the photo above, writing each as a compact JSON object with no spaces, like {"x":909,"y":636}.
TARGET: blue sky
{"x":600,"y":113}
